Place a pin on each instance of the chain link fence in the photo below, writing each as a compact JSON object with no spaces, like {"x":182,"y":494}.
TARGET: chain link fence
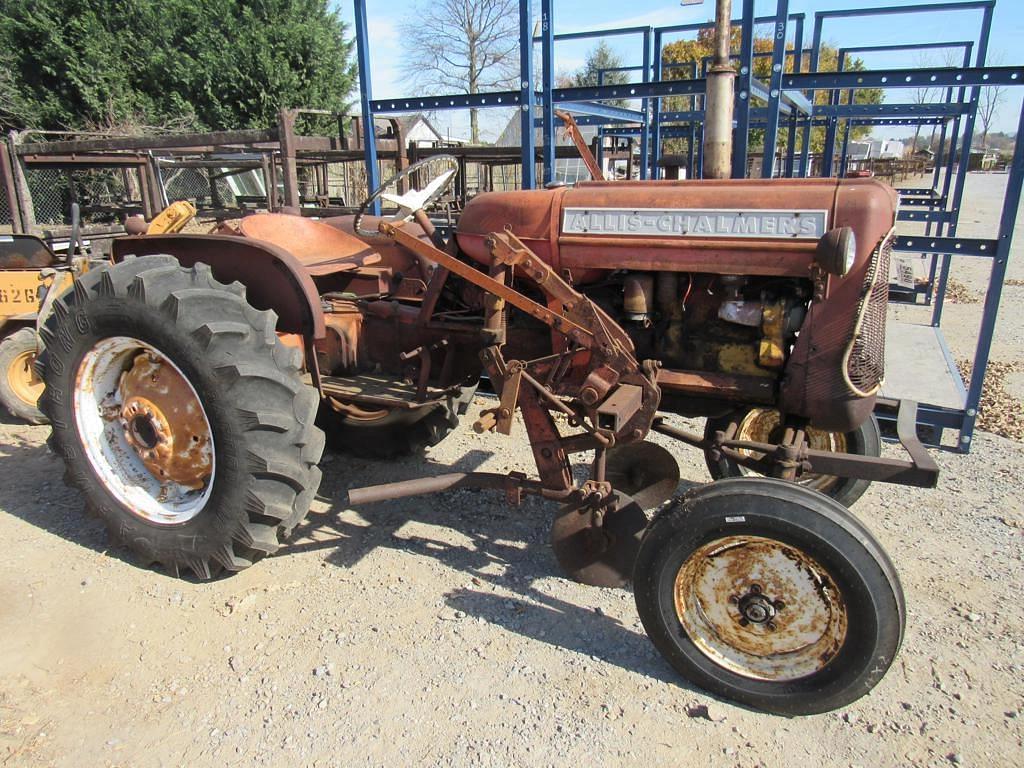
{"x":104,"y":195}
{"x":204,"y":187}
{"x":6,"y":219}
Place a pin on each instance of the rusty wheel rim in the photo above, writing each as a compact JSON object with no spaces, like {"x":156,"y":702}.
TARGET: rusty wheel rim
{"x":144,"y":430}
{"x":22,"y":379}
{"x":760,"y":608}
{"x":761,"y":425}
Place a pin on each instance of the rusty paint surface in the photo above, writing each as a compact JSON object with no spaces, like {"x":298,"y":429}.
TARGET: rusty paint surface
{"x":864,"y":204}
{"x":748,"y":389}
{"x":164,"y":424}
{"x":24,"y":252}
{"x":320,"y":248}
{"x":273,"y":278}
{"x":760,"y":608}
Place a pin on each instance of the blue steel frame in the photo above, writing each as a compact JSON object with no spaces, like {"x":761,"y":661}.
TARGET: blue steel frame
{"x":915,"y":197}
{"x":786,"y":95}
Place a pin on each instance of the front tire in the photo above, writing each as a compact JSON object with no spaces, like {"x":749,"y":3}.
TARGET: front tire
{"x":763,"y":425}
{"x":181,"y":418}
{"x":20,"y":386}
{"x":769,"y":594}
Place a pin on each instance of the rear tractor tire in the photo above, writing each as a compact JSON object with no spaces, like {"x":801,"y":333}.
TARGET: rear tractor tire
{"x":769,"y":594}
{"x":182,"y":419}
{"x":20,"y":385}
{"x":762,"y":425}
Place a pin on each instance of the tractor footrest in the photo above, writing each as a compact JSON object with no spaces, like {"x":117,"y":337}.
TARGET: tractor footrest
{"x":375,"y":389}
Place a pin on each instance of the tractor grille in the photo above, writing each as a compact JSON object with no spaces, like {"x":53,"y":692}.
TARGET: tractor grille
{"x":864,"y":361}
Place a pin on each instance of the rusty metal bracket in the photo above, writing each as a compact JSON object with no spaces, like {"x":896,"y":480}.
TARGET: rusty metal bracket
{"x":921,"y":471}
{"x":488,"y":283}
{"x":572,"y":130}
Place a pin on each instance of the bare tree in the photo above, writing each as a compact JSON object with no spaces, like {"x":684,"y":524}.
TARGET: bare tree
{"x":988,"y":108}
{"x":462,"y":46}
{"x":923,"y":95}
{"x":989,"y":101}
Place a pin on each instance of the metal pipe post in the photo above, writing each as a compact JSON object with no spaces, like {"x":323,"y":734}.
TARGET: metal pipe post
{"x":365,"y":96}
{"x":656,"y":117}
{"x":646,"y":108}
{"x":775,"y":89}
{"x":528,"y":99}
{"x":741,"y":136}
{"x":547,"y":48}
{"x":961,"y":159}
{"x":719,"y":101}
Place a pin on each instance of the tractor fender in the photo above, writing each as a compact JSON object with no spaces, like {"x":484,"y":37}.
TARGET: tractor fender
{"x":273,"y":278}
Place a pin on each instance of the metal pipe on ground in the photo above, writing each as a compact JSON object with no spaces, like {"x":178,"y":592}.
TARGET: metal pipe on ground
{"x":719,"y":100}
{"x":424,"y":485}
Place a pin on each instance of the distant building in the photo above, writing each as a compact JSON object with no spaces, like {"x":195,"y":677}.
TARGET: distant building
{"x":876,"y":149}
{"x":983,"y":159}
{"x":417,"y":130}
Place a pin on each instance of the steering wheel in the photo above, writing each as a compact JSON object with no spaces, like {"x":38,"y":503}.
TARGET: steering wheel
{"x":411,"y":201}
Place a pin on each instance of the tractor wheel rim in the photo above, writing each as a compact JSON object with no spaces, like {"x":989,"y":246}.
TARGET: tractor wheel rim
{"x":760,"y":608}
{"x":144,"y":430}
{"x":761,"y":425}
{"x":22,"y":378}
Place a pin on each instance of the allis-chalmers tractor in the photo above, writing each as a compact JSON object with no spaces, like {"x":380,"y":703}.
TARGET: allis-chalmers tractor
{"x":191,"y":384}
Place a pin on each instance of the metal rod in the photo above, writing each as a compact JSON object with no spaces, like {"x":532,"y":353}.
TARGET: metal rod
{"x":741,"y":135}
{"x":366,"y":99}
{"x":527,"y":96}
{"x":547,"y":48}
{"x":425,"y":485}
{"x":775,"y":89}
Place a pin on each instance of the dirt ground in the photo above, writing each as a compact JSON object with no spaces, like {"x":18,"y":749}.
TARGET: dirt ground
{"x":439,"y":631}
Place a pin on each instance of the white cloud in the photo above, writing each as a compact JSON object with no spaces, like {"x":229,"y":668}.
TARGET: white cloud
{"x":665,"y":16}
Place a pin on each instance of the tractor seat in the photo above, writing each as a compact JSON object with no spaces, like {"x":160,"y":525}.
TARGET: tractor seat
{"x":320,"y":248}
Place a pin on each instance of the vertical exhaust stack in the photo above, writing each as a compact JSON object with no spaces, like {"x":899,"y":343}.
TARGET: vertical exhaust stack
{"x":719,"y":100}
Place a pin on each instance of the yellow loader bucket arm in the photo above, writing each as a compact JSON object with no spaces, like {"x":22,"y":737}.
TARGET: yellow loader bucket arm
{"x":172,"y":219}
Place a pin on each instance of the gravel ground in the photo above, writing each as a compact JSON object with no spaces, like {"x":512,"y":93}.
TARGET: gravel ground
{"x":439,"y":631}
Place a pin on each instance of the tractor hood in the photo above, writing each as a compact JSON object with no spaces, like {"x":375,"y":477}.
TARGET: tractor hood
{"x":743,"y":227}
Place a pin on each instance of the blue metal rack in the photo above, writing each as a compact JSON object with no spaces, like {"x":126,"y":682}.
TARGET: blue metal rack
{"x":792,"y":100}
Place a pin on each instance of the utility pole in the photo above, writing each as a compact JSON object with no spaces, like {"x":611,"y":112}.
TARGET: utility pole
{"x":718,"y":102}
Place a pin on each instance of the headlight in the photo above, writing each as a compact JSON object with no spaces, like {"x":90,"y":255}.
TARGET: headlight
{"x":837,"y":251}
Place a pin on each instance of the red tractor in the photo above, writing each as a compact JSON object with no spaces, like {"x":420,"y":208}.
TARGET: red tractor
{"x":191,"y":385}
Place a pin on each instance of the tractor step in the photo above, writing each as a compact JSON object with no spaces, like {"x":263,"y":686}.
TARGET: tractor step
{"x":375,"y":389}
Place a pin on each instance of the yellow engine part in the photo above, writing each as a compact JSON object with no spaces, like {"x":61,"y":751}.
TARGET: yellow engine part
{"x":741,"y":359}
{"x":773,"y":321}
{"x":172,"y":219}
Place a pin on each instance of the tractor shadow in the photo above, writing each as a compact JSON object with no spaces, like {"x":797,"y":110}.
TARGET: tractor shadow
{"x":32,"y":490}
{"x":505,"y":549}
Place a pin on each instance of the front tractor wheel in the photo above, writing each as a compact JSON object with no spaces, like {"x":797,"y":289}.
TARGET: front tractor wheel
{"x":764,"y":425}
{"x":20,"y":385}
{"x":769,"y":594}
{"x":181,"y":419}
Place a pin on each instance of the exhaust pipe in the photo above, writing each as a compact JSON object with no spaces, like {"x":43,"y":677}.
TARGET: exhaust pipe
{"x":718,"y":103}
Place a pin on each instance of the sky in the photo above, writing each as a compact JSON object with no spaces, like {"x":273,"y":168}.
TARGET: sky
{"x":384,"y":17}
